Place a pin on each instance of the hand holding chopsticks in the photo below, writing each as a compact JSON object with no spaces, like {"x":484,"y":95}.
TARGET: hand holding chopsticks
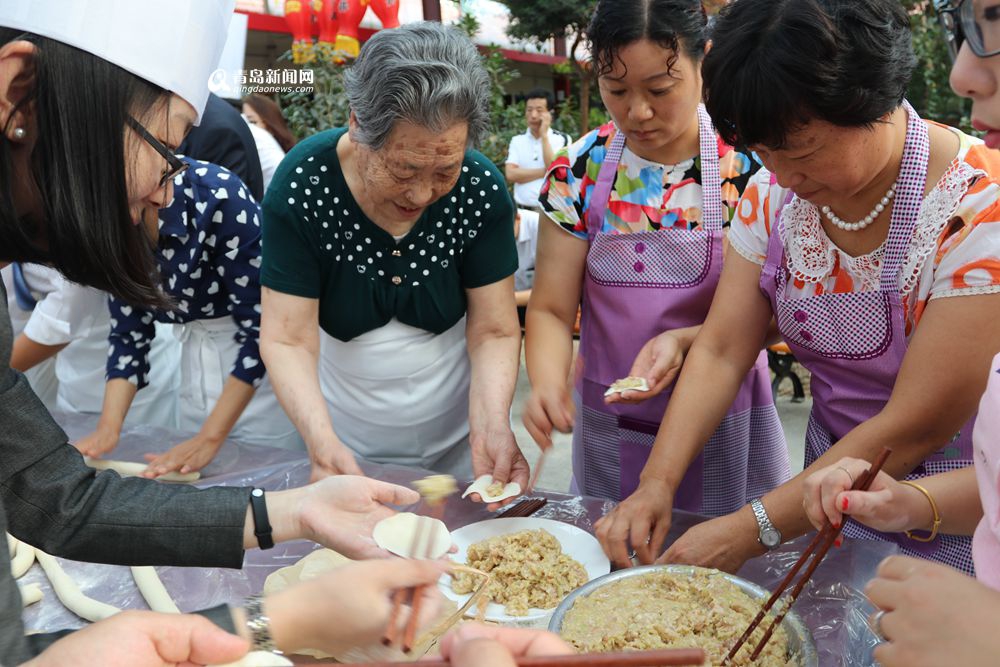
{"x":819,"y":546}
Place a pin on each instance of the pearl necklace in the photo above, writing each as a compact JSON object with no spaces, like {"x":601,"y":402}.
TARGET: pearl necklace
{"x":868,"y":219}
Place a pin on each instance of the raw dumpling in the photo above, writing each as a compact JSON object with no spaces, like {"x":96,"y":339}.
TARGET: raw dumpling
{"x":395,"y":535}
{"x":630,"y":383}
{"x":493,"y":492}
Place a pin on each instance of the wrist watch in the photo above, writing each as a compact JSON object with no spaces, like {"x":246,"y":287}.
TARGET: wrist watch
{"x":259,"y":625}
{"x":768,"y":536}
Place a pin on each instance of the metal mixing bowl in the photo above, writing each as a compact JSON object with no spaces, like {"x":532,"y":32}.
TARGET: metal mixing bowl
{"x":800,"y":641}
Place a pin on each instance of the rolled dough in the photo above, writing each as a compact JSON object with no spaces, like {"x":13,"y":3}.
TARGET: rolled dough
{"x":30,"y":594}
{"x":153,"y":591}
{"x":131,"y":469}
{"x":69,"y":593}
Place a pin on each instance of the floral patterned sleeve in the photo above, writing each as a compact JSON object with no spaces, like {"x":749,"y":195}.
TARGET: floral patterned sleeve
{"x":751,"y":229}
{"x":569,"y":181}
{"x":968,"y":255}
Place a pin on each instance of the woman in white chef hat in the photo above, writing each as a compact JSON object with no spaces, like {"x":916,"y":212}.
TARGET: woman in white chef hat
{"x":94,"y":96}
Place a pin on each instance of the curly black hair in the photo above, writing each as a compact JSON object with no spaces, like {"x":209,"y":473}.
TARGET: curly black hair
{"x":776,"y":64}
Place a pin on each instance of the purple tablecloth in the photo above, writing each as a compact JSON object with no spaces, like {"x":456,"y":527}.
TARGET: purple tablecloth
{"x":832,"y":606}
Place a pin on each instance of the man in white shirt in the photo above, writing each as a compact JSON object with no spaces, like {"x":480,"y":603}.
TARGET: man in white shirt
{"x":530,"y":154}
{"x":526,"y":233}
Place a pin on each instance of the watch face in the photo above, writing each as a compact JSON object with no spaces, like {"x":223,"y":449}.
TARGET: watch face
{"x":770,"y":538}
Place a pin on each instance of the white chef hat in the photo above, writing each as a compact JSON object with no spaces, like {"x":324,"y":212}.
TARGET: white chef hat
{"x":175,"y":44}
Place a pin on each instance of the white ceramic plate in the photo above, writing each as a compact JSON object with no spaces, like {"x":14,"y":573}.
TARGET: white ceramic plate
{"x":577,"y":543}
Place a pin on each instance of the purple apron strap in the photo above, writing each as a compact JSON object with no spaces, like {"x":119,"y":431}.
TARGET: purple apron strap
{"x":909,"y":199}
{"x":711,"y":180}
{"x":605,"y":182}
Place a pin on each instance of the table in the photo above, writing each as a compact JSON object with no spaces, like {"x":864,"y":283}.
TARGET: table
{"x":832,"y":606}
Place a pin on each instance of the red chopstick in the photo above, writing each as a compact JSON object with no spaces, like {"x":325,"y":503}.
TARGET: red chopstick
{"x":668,"y":657}
{"x":410,"y":594}
{"x":820,"y":545}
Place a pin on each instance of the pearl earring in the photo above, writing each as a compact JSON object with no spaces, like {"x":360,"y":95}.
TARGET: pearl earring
{"x":19,"y":133}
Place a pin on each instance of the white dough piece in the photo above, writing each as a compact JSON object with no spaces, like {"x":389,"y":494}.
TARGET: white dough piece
{"x":153,"y":591}
{"x":395,"y":534}
{"x":11,"y":545}
{"x":483,"y":483}
{"x":69,"y":593}
{"x":30,"y":594}
{"x":22,"y":560}
{"x":130,"y":469}
{"x":259,"y":659}
{"x":630,"y":383}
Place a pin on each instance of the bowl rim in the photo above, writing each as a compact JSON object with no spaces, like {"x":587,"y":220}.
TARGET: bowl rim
{"x":792,"y":623}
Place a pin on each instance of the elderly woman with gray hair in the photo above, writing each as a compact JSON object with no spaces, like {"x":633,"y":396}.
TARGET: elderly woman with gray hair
{"x":396,"y":237}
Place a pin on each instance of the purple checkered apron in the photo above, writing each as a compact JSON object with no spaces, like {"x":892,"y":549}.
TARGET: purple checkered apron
{"x":637,"y":286}
{"x":854,"y":343}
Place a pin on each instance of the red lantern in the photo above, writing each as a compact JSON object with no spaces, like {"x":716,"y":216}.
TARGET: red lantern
{"x":349,"y":14}
{"x":298,"y":16}
{"x":387,"y":12}
{"x":326,"y":16}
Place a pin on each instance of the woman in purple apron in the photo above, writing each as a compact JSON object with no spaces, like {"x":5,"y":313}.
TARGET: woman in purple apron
{"x":647,"y":247}
{"x":860,"y":299}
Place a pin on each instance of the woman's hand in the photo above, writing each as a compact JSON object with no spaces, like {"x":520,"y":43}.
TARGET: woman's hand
{"x":548,"y":408}
{"x":725,"y":543}
{"x":333,"y":459}
{"x":659,"y":361}
{"x":934,"y":615}
{"x":189,"y":456}
{"x":887,"y":506}
{"x":640,"y":523}
{"x":350,"y":606}
{"x":145,"y":639}
{"x":98,"y":443}
{"x":341,"y":512}
{"x":475,"y":645}
{"x":496,"y":453}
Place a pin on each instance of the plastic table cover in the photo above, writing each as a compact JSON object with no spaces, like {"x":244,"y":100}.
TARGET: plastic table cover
{"x":832,"y":605}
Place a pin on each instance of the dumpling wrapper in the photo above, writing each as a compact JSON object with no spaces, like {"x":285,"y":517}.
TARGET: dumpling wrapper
{"x":630,"y":383}
{"x":395,"y":535}
{"x":482,"y":487}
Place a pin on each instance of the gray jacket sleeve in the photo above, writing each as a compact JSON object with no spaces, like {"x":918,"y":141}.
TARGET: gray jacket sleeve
{"x":51,"y":500}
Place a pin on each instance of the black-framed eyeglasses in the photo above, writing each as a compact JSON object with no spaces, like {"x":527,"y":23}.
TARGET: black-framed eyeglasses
{"x":175,"y":165}
{"x":962,"y":22}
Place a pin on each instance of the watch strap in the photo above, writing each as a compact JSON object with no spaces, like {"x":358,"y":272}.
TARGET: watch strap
{"x":259,"y":625}
{"x":261,"y":524}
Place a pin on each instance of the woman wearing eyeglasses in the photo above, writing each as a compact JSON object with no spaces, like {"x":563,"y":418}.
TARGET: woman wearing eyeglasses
{"x":81,"y":106}
{"x":871,"y":236}
{"x":930,"y":614}
{"x":208,"y":254}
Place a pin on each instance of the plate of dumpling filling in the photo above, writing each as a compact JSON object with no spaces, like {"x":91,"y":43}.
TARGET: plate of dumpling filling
{"x":532,"y":565}
{"x":679,"y":606}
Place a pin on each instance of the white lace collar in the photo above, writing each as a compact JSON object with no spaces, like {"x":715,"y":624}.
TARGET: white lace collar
{"x":812,"y":256}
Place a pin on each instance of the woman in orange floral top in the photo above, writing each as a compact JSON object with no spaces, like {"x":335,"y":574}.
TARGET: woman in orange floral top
{"x":871,"y":237}
{"x":636,"y":214}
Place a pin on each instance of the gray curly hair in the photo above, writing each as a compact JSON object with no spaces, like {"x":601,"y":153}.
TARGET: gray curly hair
{"x":423,"y":73}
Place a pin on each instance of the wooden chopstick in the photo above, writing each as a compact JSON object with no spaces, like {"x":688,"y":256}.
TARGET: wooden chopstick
{"x":820,"y":545}
{"x":411,"y":594}
{"x":538,"y":469}
{"x":683,"y":656}
{"x":524,"y":508}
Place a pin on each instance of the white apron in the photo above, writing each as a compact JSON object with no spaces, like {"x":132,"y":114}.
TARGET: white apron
{"x":81,"y":369}
{"x":400,"y":395}
{"x":208,"y":352}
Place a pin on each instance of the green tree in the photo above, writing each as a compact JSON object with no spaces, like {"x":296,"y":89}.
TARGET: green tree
{"x":541,"y":20}
{"x":929,"y":92}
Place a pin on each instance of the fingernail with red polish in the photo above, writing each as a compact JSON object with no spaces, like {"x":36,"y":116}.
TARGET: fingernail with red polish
{"x":838,"y":541}
{"x":843,"y":504}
